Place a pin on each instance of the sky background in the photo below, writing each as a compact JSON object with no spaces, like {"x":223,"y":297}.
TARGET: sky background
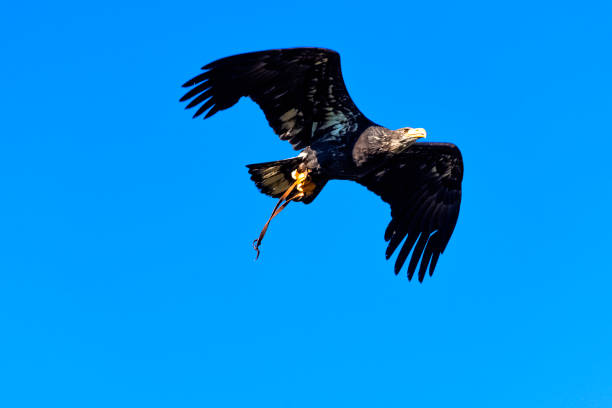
{"x":126,"y":269}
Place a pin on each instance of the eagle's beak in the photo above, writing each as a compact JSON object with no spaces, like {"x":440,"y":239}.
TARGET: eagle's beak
{"x":417,"y":133}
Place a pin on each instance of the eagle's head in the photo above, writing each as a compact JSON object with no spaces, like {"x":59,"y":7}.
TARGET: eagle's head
{"x":413,"y":133}
{"x":377,"y":141}
{"x":403,"y":138}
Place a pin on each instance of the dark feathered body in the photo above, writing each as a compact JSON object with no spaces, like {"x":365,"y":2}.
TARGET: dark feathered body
{"x":304,"y":98}
{"x":355,"y":154}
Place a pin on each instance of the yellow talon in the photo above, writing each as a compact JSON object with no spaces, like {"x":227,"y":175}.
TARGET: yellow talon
{"x":303,"y":184}
{"x":299,"y":176}
{"x":306,"y":188}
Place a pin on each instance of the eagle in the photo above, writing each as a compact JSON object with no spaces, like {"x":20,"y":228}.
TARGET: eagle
{"x":303,"y":96}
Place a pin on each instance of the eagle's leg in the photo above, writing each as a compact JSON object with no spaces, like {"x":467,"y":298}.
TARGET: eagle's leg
{"x":302,"y":184}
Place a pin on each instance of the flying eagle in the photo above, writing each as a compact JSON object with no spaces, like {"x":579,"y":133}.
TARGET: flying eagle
{"x":304,"y":98}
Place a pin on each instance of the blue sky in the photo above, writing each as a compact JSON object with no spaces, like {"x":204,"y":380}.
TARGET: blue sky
{"x":127,"y":275}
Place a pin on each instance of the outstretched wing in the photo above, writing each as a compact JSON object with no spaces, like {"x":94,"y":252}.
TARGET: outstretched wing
{"x":300,"y":90}
{"x":423,"y":187}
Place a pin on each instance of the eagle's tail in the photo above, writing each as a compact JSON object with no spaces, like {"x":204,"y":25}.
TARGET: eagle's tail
{"x":274,"y":178}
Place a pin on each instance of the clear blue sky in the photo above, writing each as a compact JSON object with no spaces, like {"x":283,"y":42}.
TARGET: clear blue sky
{"x":127,"y":275}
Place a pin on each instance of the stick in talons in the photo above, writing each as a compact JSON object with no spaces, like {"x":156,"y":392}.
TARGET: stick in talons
{"x":303,"y":185}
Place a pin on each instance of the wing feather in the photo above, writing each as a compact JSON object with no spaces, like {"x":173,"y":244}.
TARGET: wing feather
{"x":423,"y":187}
{"x":300,"y":90}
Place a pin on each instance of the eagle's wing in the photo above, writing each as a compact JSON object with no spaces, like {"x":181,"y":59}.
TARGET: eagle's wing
{"x":423,"y":187}
{"x":300,"y":90}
